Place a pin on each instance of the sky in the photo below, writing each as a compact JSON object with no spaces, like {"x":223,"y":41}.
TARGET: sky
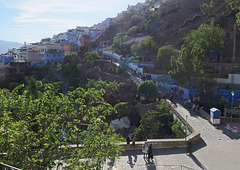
{"x":31,"y":20}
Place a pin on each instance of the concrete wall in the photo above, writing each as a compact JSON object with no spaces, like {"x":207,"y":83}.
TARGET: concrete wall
{"x":232,"y":79}
{"x":194,"y":137}
{"x":204,"y":114}
{"x":70,"y":48}
{"x":186,"y":92}
{"x":143,"y":108}
{"x":112,"y":54}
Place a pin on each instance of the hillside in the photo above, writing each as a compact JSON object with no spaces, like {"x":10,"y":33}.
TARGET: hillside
{"x":5,"y":45}
{"x":171,"y":20}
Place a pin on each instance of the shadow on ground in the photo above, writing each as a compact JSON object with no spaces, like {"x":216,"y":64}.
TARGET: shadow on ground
{"x":197,"y":162}
{"x":201,"y":144}
{"x":228,"y":132}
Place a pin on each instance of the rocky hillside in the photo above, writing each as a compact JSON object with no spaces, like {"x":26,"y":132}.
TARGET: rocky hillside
{"x":171,"y":20}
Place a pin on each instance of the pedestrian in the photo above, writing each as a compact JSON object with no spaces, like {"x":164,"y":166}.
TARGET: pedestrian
{"x":150,"y":154}
{"x":189,"y":103}
{"x":133,"y":143}
{"x":128,"y":143}
{"x":145,"y":150}
{"x":185,"y":103}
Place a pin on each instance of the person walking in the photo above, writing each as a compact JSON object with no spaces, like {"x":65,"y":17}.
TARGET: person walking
{"x":145,"y":150}
{"x":150,"y":154}
{"x":128,"y":143}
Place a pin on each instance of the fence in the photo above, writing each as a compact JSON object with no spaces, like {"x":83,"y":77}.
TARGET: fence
{"x":7,"y":167}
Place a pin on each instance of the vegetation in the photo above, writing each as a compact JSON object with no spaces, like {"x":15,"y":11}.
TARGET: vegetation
{"x":103,"y":85}
{"x":154,"y":124}
{"x":207,"y":87}
{"x":146,"y":48}
{"x":90,"y":58}
{"x":119,"y":40}
{"x":153,"y":23}
{"x":147,"y":87}
{"x":164,"y":56}
{"x":191,"y":20}
{"x":207,"y":9}
{"x":46,"y":39}
{"x":235,"y":5}
{"x":37,"y":125}
{"x":197,"y":45}
{"x":133,"y":31}
{"x":178,"y":129}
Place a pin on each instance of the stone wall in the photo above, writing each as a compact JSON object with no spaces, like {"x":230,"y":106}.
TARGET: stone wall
{"x":205,"y":114}
{"x":143,"y":108}
{"x":194,"y":137}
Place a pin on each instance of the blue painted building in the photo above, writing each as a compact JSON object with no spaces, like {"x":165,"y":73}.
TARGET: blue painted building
{"x":186,"y":93}
{"x":53,"y":57}
{"x":6,"y":59}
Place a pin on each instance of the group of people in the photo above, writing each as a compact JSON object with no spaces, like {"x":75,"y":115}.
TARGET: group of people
{"x":147,"y":151}
{"x":192,"y":106}
{"x":128,"y":140}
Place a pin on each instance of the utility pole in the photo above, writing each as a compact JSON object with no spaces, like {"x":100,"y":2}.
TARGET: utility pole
{"x":234,"y":42}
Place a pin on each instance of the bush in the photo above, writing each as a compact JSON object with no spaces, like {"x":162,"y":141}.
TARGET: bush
{"x":147,"y":87}
{"x":178,"y":129}
{"x":155,"y":124}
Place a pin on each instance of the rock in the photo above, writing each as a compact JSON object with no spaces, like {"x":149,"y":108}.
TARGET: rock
{"x":120,"y":124}
{"x":125,"y":123}
{"x":116,"y":124}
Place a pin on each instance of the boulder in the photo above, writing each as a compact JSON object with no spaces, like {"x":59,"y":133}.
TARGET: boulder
{"x":116,"y":124}
{"x":125,"y":123}
{"x":120,"y":124}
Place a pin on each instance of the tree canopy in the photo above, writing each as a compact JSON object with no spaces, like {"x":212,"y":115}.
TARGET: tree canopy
{"x":154,"y":123}
{"x":36,"y":129}
{"x":118,"y":41}
{"x":197,"y":45}
{"x":164,"y":56}
{"x":146,"y":48}
{"x":91,"y":57}
{"x":235,"y":5}
{"x":147,"y":87}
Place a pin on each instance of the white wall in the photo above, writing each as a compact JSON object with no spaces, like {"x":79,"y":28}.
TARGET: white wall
{"x":232,"y":79}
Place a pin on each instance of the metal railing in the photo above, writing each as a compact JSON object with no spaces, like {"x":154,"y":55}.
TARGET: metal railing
{"x":7,"y":167}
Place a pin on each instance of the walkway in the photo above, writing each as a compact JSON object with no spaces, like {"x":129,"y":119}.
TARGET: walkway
{"x":218,"y":150}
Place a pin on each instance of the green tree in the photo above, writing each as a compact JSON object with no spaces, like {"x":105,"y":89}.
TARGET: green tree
{"x":102,"y":85}
{"x":34,"y":130}
{"x":69,"y":63}
{"x":90,"y":58}
{"x":207,"y":9}
{"x":178,"y":129}
{"x":119,"y":41}
{"x":132,"y":31}
{"x":146,"y":48}
{"x":207,"y":86}
{"x":197,"y":45}
{"x":72,"y":68}
{"x":235,"y":6}
{"x":100,"y":143}
{"x":153,"y":23}
{"x":164,"y":56}
{"x":154,"y":124}
{"x":147,"y":87}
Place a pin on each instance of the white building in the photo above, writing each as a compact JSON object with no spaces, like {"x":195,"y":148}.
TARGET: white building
{"x":138,"y":7}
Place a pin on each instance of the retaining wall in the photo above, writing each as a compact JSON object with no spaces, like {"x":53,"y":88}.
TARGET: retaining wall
{"x":194,"y":137}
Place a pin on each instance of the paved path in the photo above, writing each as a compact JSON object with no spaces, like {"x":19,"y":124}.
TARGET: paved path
{"x":219,"y":149}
